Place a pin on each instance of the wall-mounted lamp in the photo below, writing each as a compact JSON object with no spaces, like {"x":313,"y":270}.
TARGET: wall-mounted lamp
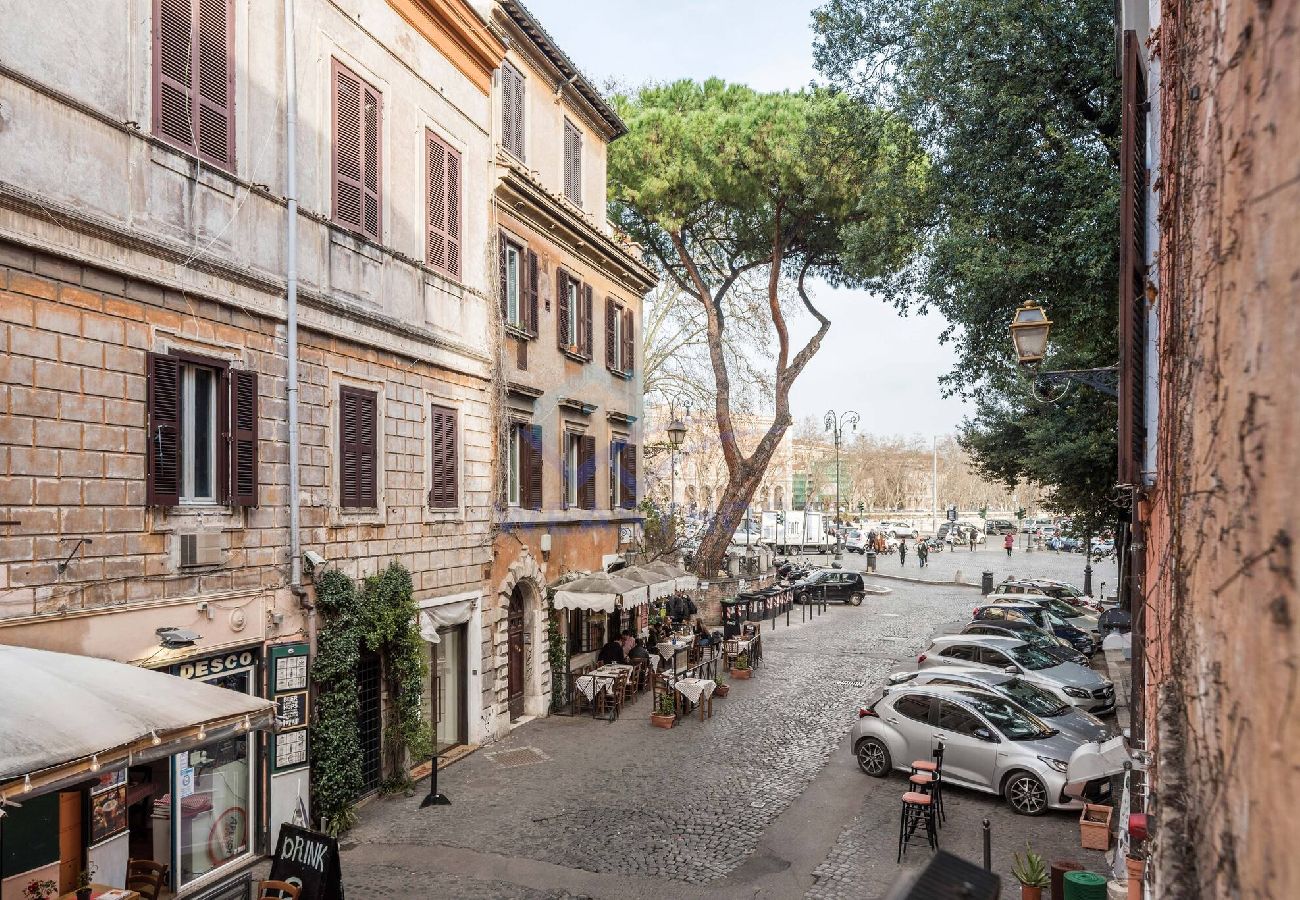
{"x":546,"y":546}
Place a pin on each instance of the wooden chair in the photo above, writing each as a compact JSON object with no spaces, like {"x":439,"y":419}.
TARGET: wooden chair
{"x":633,"y":683}
{"x":145,"y":877}
{"x":276,"y":890}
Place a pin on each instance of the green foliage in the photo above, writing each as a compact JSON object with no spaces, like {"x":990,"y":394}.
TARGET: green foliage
{"x":664,"y":706}
{"x":1018,"y":104}
{"x":381,"y":617}
{"x":1031,"y":869}
{"x":741,"y":661}
{"x":557,"y":653}
{"x":660,"y":529}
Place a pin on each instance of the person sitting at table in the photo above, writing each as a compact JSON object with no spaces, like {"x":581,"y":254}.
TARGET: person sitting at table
{"x":612,"y":652}
{"x":656,"y":635}
{"x":703,"y":637}
{"x":628,"y":641}
{"x":638,"y":653}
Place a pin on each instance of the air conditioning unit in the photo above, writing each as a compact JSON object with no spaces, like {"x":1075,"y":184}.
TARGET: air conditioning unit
{"x":203,"y":549}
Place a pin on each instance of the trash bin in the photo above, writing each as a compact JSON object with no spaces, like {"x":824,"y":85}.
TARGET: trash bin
{"x":871,"y":560}
{"x":986,"y":583}
{"x":732,"y":618}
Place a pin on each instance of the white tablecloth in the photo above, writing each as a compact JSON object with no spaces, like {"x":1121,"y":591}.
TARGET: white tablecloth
{"x":695,"y":689}
{"x":591,"y":685}
{"x":668,"y":649}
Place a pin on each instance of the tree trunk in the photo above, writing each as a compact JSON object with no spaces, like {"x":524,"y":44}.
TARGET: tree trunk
{"x":731,"y":510}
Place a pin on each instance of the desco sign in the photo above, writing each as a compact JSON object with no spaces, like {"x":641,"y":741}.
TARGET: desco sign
{"x":215,"y":665}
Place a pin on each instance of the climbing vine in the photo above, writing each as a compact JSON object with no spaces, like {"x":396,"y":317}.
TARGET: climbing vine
{"x":380,"y":617}
{"x":557,"y":653}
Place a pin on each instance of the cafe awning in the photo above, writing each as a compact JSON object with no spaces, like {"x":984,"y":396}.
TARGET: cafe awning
{"x":682,"y":579}
{"x":601,"y":592}
{"x":659,"y":584}
{"x":64,"y":717}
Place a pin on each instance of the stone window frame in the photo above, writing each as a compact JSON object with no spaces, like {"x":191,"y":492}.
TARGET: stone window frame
{"x":339,"y":515}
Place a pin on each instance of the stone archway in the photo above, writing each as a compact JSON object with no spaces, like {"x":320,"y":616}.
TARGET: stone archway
{"x":519,"y":637}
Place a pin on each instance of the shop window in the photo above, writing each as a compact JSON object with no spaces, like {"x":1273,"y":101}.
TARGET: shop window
{"x":586,"y":631}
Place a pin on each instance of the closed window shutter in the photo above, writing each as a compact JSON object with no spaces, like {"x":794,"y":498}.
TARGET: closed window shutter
{"x":194,"y":75}
{"x":629,"y":476}
{"x":358,"y":118}
{"x":629,"y":347}
{"x":505,"y":281}
{"x":587,"y":472}
{"x":357,"y":447}
{"x":442,"y":205}
{"x":565,"y":440}
{"x":611,"y":341}
{"x":1132,"y":265}
{"x":563,"y":337}
{"x":615,"y":453}
{"x":535,"y":467}
{"x":443,"y":493}
{"x":587,"y":341}
{"x":572,"y":162}
{"x":243,"y":438}
{"x":533,"y":288}
{"x":164,"y":466}
{"x":512,"y":110}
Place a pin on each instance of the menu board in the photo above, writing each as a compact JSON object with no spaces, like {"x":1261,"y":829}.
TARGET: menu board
{"x":290,"y":676}
{"x":108,"y":807}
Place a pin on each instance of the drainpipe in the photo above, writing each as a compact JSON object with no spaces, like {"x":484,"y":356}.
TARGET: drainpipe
{"x":291,"y":298}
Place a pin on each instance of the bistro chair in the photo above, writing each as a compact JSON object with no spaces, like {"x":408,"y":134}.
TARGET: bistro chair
{"x":918,"y":810}
{"x":145,"y":877}
{"x":276,"y":890}
{"x":633,"y":683}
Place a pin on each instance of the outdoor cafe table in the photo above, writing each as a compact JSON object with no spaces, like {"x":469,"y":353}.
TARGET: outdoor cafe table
{"x":600,"y":681}
{"x":103,"y":890}
{"x":670,"y":648}
{"x":698,"y":691}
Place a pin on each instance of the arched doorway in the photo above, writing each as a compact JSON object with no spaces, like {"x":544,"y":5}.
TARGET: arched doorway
{"x":515,"y":623}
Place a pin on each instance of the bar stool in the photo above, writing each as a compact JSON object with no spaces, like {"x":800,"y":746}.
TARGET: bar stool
{"x":918,"y":809}
{"x":927,"y":777}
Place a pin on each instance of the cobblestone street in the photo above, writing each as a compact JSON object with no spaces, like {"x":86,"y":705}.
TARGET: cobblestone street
{"x":763,"y":799}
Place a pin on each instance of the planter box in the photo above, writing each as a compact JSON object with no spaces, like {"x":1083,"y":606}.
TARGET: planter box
{"x":659,"y":721}
{"x":1094,"y":827}
{"x":741,"y":673}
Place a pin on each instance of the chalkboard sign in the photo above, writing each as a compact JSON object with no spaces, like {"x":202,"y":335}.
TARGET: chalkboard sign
{"x":29,"y":834}
{"x":310,"y":861}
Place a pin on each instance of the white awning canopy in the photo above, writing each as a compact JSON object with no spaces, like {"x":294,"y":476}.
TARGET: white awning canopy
{"x":682,"y":580}
{"x":63,"y":717}
{"x":601,"y":592}
{"x":659,"y":584}
{"x":440,"y":616}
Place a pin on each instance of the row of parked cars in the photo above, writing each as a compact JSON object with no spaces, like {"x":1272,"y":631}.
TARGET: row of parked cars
{"x":1012,"y":697}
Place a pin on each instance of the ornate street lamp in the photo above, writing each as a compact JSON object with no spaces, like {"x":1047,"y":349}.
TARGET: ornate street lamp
{"x":1029,"y":330}
{"x":835,"y":424}
{"x":676,"y":435}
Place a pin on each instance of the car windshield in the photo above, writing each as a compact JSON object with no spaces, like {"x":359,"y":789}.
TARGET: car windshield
{"x":1032,"y":658}
{"x":1063,"y":609}
{"x":1036,"y":700}
{"x":1015,"y":724}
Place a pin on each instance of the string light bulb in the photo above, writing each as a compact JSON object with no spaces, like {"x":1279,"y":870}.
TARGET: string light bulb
{"x":94,"y":762}
{"x":27,"y":784}
{"x":246,"y":724}
{"x":154,"y":739}
{"x":203,"y":732}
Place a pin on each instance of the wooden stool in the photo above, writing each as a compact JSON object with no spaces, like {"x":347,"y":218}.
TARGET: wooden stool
{"x":918,"y":809}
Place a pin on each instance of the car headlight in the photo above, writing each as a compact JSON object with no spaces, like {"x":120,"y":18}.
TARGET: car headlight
{"x":1059,"y":765}
{"x":1077,"y":692}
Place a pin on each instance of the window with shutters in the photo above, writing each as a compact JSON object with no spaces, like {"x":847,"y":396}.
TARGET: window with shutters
{"x":194,"y":77}
{"x":442,"y":205}
{"x":514,"y":466}
{"x":444,"y":473}
{"x":357,"y":153}
{"x":358,"y":448}
{"x":620,"y":350}
{"x":573,"y":322}
{"x":203,"y":432}
{"x":618,"y":473}
{"x":514,"y":291}
{"x":572,"y":465}
{"x":512,"y":111}
{"x":572,"y":162}
{"x":524,"y":466}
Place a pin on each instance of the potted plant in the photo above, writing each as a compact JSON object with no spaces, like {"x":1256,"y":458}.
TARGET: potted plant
{"x":1032,"y":873}
{"x":740,"y":666}
{"x":720,"y":688}
{"x":84,"y":879}
{"x":1094,"y":826}
{"x":40,"y":889}
{"x":664,"y":713}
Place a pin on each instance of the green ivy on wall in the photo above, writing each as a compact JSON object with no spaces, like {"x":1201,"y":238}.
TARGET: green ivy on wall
{"x":380,"y":617}
{"x":557,"y":653}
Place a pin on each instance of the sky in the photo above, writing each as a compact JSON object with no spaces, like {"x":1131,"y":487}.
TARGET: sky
{"x":884,"y":366}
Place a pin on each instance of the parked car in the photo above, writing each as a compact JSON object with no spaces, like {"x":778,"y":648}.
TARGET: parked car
{"x":1027,"y":611}
{"x":1030,"y":634}
{"x":1073,"y":683}
{"x":1069,"y":720}
{"x":999,"y":526}
{"x":837,"y":585}
{"x":1082,"y":619}
{"x":899,"y":530}
{"x":990,"y":744}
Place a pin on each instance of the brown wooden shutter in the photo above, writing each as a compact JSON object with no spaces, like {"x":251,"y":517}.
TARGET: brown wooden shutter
{"x":565,"y":439}
{"x":512,"y":110}
{"x":611,"y":342}
{"x":629,"y":476}
{"x":243,"y":438}
{"x":194,"y":77}
{"x":358,"y":120}
{"x":443,"y":491}
{"x":442,"y":205}
{"x":587,"y":340}
{"x":629,"y":347}
{"x":163,"y":475}
{"x":505,"y":280}
{"x":572,"y":162}
{"x":564,"y":339}
{"x":587,"y":472}
{"x":615,"y":454}
{"x":533,"y":288}
{"x":1132,"y":264}
{"x":357,"y":447}
{"x":535,"y":457}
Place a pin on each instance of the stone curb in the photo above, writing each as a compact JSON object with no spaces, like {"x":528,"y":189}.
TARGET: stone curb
{"x":953,"y":583}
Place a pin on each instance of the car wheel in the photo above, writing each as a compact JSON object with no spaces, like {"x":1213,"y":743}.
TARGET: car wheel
{"x":873,"y":757}
{"x":856,"y":599}
{"x":1025,"y":793}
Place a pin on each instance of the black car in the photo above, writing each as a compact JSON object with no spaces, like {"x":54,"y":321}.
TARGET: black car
{"x":1030,"y":634}
{"x":999,"y":526}
{"x":832,"y":584}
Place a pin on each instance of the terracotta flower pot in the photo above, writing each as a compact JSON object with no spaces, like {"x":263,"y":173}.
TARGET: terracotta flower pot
{"x":741,"y":673}
{"x":1030,"y":893}
{"x":722,"y":690}
{"x":1136,"y":869}
{"x":659,"y":721}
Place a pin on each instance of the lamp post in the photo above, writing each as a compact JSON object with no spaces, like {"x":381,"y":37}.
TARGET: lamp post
{"x":676,"y":435}
{"x":835,"y":425}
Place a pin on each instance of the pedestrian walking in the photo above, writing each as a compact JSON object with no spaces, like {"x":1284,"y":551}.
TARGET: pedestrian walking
{"x":922,"y":553}
{"x":902,"y":553}
{"x":1008,"y":542}
{"x":972,"y":540}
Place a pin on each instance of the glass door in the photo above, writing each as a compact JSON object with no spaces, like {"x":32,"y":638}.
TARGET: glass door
{"x":449,"y":689}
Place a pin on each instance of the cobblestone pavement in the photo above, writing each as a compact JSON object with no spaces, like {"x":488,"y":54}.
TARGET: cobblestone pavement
{"x":689,"y":811}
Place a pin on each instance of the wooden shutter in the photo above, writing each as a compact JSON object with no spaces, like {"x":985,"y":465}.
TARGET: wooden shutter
{"x":563,"y":338}
{"x":587,"y":340}
{"x":443,"y":491}
{"x":533,"y":287}
{"x":629,"y":347}
{"x":615,"y":453}
{"x":572,"y":162}
{"x":565,"y":439}
{"x":163,"y":486}
{"x":357,"y":448}
{"x":629,"y":476}
{"x":505,"y":279}
{"x":1132,"y":264}
{"x":534,"y":435}
{"x":358,"y":119}
{"x":442,"y":205}
{"x":194,"y":77}
{"x":611,"y":342}
{"x":243,"y":438}
{"x":587,"y":472}
{"x":512,"y":110}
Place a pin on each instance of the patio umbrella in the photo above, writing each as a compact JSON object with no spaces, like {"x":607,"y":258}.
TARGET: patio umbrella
{"x":601,"y":592}
{"x":682,"y":579}
{"x":659,"y":584}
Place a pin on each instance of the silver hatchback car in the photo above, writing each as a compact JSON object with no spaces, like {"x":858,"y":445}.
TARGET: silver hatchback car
{"x":1075,"y":684}
{"x":990,"y":744}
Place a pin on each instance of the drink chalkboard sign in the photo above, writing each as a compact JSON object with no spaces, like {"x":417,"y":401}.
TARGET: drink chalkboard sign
{"x":309,"y":860}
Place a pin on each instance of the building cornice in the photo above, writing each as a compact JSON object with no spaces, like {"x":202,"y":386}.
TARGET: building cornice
{"x":457,"y":32}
